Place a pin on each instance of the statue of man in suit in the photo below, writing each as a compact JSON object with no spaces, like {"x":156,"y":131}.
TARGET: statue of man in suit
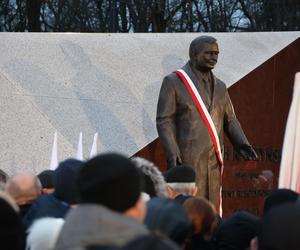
{"x":181,"y":128}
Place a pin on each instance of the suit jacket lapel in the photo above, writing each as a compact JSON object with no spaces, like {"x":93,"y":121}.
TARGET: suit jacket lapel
{"x":214,"y":91}
{"x":199,"y":85}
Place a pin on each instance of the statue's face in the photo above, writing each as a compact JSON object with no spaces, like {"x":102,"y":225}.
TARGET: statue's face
{"x":206,"y":56}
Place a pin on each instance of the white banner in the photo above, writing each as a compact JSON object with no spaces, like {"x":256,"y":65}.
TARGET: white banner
{"x":289,"y":176}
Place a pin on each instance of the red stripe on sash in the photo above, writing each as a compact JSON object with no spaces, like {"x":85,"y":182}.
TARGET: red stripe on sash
{"x":210,"y":130}
{"x":200,"y":109}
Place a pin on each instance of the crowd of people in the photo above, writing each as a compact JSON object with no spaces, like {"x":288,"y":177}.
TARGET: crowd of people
{"x":114,"y":202}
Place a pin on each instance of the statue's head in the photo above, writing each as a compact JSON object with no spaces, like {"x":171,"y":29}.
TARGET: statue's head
{"x":204,"y":53}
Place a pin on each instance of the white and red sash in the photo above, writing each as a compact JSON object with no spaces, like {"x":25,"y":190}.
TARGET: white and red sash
{"x":206,"y":118}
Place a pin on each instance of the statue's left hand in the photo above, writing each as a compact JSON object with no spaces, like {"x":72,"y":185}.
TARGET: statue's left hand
{"x":248,"y":153}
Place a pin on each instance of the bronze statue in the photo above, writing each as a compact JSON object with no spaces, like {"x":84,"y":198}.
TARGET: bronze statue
{"x":181,"y":128}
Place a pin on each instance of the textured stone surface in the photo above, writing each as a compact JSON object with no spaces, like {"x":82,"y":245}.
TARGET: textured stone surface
{"x":105,"y":83}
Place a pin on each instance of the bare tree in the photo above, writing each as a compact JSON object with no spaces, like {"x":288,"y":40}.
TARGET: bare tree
{"x":33,"y":14}
{"x":149,"y":15}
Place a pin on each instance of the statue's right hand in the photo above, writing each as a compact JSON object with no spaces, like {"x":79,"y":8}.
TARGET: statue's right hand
{"x":178,"y":160}
{"x":174,"y":161}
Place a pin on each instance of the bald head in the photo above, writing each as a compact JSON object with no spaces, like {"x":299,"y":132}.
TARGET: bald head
{"x":24,"y":188}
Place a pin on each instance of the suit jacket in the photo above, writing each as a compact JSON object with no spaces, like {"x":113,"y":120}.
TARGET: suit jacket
{"x":181,"y":128}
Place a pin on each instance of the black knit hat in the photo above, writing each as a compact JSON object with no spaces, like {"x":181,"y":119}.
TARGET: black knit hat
{"x":111,"y":180}
{"x":46,"y":178}
{"x":280,"y":227}
{"x":169,"y":218}
{"x":279,"y":197}
{"x":180,"y":174}
{"x":65,"y":181}
{"x":237,"y":231}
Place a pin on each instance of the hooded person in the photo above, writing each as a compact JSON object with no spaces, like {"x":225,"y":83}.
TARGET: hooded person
{"x":65,"y":196}
{"x":167,"y":217}
{"x":111,"y":208}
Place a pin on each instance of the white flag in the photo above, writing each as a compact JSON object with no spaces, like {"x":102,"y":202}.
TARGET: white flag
{"x":289,"y":176}
{"x":79,"y":155}
{"x":54,"y":160}
{"x":94,"y":146}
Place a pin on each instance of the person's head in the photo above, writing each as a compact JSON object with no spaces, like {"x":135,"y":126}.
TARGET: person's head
{"x":24,"y":188}
{"x":65,"y":181}
{"x":181,"y":180}
{"x":202,"y":215}
{"x":279,"y":197}
{"x":46,"y":178}
{"x":237,"y":231}
{"x":167,"y":217}
{"x":11,"y":227}
{"x":154,"y":182}
{"x":204,"y":53}
{"x":279,"y":229}
{"x":112,"y":180}
{"x":43,"y":233}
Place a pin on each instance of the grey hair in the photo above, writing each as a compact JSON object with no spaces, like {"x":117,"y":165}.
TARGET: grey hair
{"x":149,"y":169}
{"x":186,"y":188}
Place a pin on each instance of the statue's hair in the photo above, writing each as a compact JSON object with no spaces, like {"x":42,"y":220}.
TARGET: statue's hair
{"x":183,"y":188}
{"x":149,"y":169}
{"x":198,"y":43}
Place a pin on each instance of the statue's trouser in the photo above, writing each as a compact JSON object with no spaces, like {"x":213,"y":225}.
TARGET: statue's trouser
{"x":208,"y":181}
